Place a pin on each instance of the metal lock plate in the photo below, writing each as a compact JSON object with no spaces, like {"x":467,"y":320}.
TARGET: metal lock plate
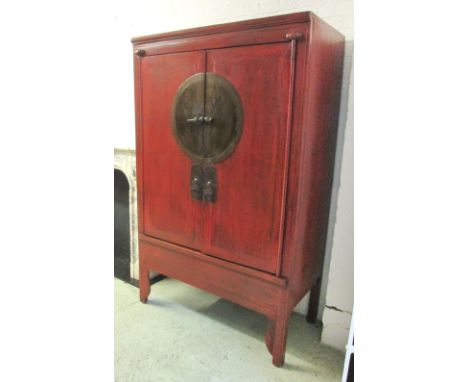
{"x":203,"y":183}
{"x":210,"y":184}
{"x":196,"y":182}
{"x":207,"y":118}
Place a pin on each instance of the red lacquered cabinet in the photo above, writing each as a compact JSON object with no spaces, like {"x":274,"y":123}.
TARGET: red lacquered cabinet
{"x":236,"y":129}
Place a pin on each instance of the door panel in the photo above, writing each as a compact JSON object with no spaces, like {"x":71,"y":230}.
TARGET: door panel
{"x":246,"y":218}
{"x":169,"y":212}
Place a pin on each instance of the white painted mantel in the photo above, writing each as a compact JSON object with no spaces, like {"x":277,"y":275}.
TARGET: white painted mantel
{"x":124,"y":160}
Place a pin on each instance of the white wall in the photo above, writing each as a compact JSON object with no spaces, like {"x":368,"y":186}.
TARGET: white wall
{"x":139,"y":17}
{"x":338,"y":294}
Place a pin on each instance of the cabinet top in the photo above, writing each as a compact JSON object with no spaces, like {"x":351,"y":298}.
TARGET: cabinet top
{"x":264,"y":22}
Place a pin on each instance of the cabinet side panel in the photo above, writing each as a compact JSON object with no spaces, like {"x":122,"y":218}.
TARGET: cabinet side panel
{"x":306,"y":236}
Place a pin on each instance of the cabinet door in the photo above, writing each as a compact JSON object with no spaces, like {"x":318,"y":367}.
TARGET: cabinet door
{"x":169,"y":212}
{"x":247,"y":215}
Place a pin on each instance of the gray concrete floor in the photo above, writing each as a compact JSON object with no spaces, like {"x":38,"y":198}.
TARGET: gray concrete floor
{"x":185,"y":334}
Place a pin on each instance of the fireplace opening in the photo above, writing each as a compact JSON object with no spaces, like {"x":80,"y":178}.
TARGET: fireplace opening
{"x":121,"y":227}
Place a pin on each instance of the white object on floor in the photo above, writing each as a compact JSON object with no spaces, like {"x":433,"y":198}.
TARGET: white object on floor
{"x":349,"y":350}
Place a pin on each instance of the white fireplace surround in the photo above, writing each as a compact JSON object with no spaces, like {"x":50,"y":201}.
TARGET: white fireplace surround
{"x":124,"y":161}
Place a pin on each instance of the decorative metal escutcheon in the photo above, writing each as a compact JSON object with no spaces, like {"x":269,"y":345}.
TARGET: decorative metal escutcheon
{"x":207,"y":118}
{"x":196,"y":182}
{"x":210,"y":184}
{"x":203,"y":183}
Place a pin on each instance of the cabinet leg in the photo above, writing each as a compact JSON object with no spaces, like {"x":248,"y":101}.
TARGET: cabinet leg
{"x":314,"y":301}
{"x":269,"y":336}
{"x":276,"y":336}
{"x":144,"y":284}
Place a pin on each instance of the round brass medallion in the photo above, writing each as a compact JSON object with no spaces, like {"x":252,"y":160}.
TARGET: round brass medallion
{"x":207,"y":117}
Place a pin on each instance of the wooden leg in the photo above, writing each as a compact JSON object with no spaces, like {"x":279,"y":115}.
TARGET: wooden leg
{"x":280,"y":336}
{"x":314,"y":301}
{"x":269,"y":337}
{"x":276,"y":336}
{"x":144,"y":283}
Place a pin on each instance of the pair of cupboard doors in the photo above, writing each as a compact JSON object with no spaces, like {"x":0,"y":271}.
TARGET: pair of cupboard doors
{"x":244,"y":224}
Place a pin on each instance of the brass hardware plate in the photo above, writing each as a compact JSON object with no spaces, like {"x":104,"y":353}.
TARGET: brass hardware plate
{"x":196,"y":182}
{"x":207,"y":118}
{"x":210,"y":184}
{"x":203,"y":183}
